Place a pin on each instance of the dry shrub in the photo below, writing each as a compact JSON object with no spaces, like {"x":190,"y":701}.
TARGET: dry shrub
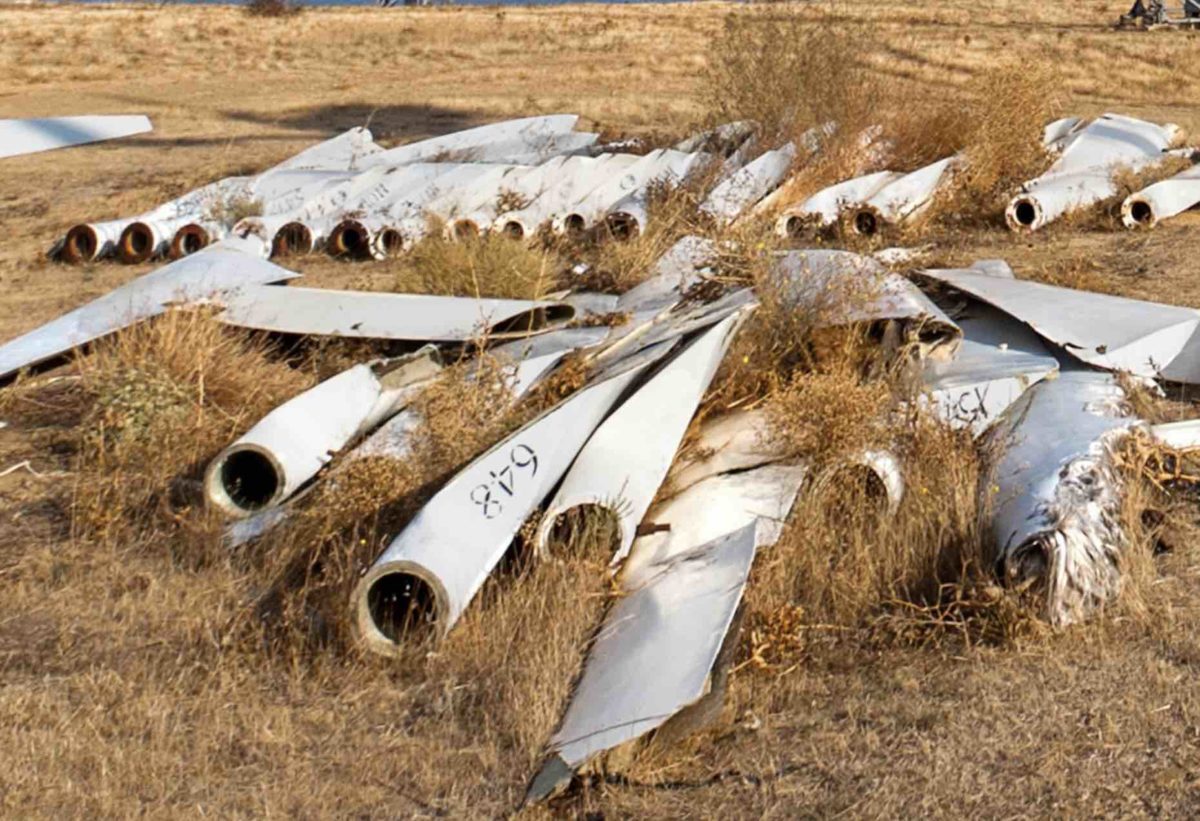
{"x":843,"y":557}
{"x":510,"y":200}
{"x":1160,"y":521}
{"x":230,"y":211}
{"x":823,"y":416}
{"x":1003,"y":121}
{"x":789,"y":70}
{"x":487,"y":266}
{"x":164,"y":397}
{"x":791,"y":330}
{"x":793,"y":70}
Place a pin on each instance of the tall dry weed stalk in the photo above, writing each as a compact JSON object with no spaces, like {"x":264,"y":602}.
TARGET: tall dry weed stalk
{"x":789,"y":70}
{"x":999,"y":130}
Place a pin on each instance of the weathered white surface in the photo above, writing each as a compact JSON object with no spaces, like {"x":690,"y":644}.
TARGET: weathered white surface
{"x":749,"y":184}
{"x":626,"y":189}
{"x":1054,"y":512}
{"x":904,"y":198}
{"x":999,"y":359}
{"x":456,"y":539}
{"x":31,"y":136}
{"x":529,"y":152}
{"x":626,"y":459}
{"x":735,"y":441}
{"x":657,"y":648}
{"x":474,"y":144}
{"x":322,"y":209}
{"x":1109,"y":141}
{"x":681,"y":588}
{"x":280,"y":189}
{"x":526,"y":361}
{"x":825,"y":207}
{"x":1083,"y":173}
{"x":376,"y":315}
{"x":713,"y":507}
{"x":844,"y":288}
{"x":1162,"y":200}
{"x":1178,"y":435}
{"x":292,"y":443}
{"x":216,"y":270}
{"x":349,"y":150}
{"x":1057,"y":133}
{"x":579,"y":176}
{"x":1144,"y":338}
{"x":403,"y":206}
{"x":974,"y":388}
{"x":654,"y":326}
{"x":90,"y":241}
{"x":477,"y":200}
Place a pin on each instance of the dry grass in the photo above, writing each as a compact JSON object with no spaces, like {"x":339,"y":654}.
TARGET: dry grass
{"x":124,"y":689}
{"x":158,"y":401}
{"x":999,"y":132}
{"x":487,"y":266}
{"x":790,"y":70}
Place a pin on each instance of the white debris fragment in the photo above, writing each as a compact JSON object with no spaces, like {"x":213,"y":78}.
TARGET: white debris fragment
{"x":431,"y":571}
{"x":292,"y":443}
{"x":19,"y":137}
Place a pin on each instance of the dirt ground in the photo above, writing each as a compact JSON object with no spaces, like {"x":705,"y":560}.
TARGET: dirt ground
{"x":117,"y":696}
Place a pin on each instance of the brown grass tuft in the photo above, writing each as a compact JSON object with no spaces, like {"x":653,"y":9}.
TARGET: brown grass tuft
{"x":487,"y":266}
{"x":829,"y":414}
{"x":163,"y":398}
{"x":512,"y":660}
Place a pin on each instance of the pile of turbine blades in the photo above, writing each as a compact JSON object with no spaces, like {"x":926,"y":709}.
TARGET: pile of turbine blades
{"x":349,"y":196}
{"x":1029,"y":370}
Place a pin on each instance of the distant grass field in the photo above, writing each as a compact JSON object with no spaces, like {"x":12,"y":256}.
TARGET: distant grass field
{"x":128,"y":681}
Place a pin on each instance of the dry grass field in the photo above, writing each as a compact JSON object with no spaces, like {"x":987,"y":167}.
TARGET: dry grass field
{"x":129,"y":682}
